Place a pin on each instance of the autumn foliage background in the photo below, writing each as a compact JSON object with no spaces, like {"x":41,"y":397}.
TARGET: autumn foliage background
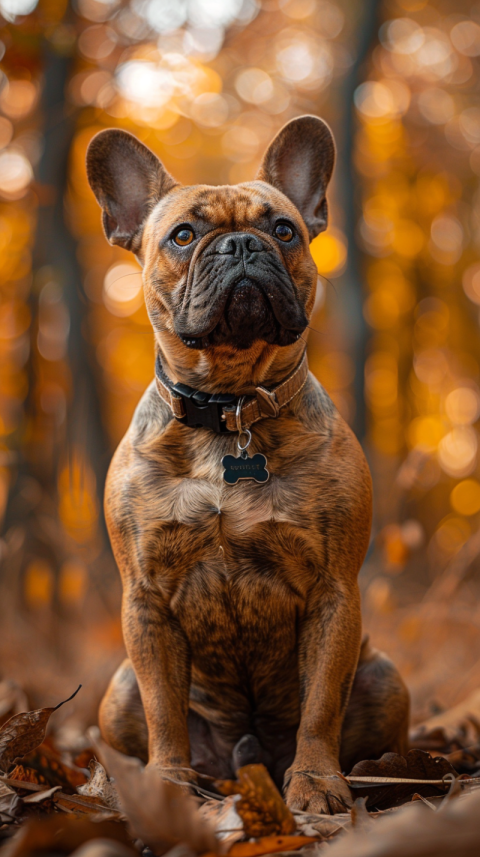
{"x":395,"y":333}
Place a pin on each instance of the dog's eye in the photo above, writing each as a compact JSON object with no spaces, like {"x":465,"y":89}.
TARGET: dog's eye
{"x":184,"y":236}
{"x":284,"y":232}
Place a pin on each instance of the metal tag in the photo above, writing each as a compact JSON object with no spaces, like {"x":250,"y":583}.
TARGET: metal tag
{"x":245,"y":467}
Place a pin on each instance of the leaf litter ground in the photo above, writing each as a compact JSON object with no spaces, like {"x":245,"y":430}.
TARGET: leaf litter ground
{"x":92,"y":801}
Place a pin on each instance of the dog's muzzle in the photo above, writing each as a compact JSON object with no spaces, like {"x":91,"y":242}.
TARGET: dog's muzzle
{"x":239,"y":290}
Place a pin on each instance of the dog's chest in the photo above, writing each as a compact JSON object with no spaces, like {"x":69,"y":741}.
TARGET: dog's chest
{"x":239,"y":580}
{"x":209,"y":542}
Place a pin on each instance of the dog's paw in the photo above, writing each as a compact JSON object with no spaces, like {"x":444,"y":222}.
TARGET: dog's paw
{"x":326,"y":796}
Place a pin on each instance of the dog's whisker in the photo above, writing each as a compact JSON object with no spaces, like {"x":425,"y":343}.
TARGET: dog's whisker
{"x":123,"y":277}
{"x":323,"y":277}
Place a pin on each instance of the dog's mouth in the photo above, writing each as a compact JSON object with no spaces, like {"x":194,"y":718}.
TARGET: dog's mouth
{"x":248,"y":314}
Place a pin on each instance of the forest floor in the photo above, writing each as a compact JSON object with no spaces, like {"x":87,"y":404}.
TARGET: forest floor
{"x":71,"y":794}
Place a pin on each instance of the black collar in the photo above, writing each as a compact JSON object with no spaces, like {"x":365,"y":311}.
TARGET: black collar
{"x":223,"y":412}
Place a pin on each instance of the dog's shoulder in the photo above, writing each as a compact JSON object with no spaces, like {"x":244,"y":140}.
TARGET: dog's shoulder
{"x":130,"y":464}
{"x":318,"y":416}
{"x":314,"y":407}
{"x":150,"y":419}
{"x":334,"y":458}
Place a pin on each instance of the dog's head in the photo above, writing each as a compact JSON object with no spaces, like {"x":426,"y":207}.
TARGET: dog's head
{"x":225,"y":266}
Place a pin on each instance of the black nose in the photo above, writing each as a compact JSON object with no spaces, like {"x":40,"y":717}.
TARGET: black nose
{"x":239,"y":244}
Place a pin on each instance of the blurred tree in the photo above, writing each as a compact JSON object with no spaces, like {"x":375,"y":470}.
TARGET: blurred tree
{"x":62,"y":413}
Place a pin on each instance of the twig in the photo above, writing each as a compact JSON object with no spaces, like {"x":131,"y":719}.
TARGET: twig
{"x":394,"y":781}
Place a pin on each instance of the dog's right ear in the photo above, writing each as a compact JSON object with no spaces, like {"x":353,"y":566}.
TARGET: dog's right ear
{"x":127,"y":180}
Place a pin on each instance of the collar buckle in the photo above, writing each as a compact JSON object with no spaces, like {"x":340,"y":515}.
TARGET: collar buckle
{"x":203,"y":410}
{"x":267,"y":401}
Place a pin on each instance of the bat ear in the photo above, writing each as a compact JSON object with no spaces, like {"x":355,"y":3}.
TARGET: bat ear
{"x":299,"y":162}
{"x":127,"y":180}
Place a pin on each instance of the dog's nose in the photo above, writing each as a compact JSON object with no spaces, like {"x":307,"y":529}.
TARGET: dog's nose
{"x":239,"y":244}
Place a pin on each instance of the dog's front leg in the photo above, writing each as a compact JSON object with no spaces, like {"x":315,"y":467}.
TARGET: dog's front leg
{"x":160,"y":655}
{"x":330,"y":639}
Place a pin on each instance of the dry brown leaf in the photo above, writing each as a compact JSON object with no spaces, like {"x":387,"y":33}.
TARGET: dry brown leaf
{"x":26,"y":775}
{"x":10,"y":806}
{"x":104,"y":848}
{"x":85,"y":805}
{"x":22,"y":785}
{"x":415,"y":831}
{"x":225,"y":819}
{"x":99,"y":786}
{"x":260,"y":806}
{"x":160,"y":813}
{"x":62,"y":834}
{"x":52,"y":769}
{"x":269,"y":845}
{"x":39,"y":797}
{"x":322,"y":826}
{"x":431,"y":740}
{"x":359,"y":815}
{"x":465,"y":760}
{"x":416,"y":765}
{"x":83,"y":759}
{"x":457,"y":723}
{"x":24,"y":732}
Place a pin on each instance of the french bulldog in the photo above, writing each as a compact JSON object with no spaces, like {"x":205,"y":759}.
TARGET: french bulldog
{"x":241,"y":609}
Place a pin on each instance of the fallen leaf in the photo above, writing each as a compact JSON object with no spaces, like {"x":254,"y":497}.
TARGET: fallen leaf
{"x":10,"y":806}
{"x":223,"y":815}
{"x":24,"y":732}
{"x":83,"y":759}
{"x":260,"y":804}
{"x":160,"y":813}
{"x":61,"y":834}
{"x":26,"y":775}
{"x":415,"y":831}
{"x":22,"y":784}
{"x":48,"y":762}
{"x":39,"y":797}
{"x":322,"y":826}
{"x":269,"y":845}
{"x":459,"y":723}
{"x":417,"y":766}
{"x":84,"y":805}
{"x":431,"y":740}
{"x":359,"y":815}
{"x":104,"y":848}
{"x":465,"y":760}
{"x":79,"y":804}
{"x":99,"y":786}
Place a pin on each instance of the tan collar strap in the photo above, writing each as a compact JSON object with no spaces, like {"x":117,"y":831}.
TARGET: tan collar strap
{"x":218,"y":411}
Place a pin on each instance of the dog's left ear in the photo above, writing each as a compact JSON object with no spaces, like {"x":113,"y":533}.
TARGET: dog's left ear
{"x":299,"y":162}
{"x":128,"y":180}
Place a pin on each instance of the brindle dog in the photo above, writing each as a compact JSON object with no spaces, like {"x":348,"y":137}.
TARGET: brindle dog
{"x":241,"y":611}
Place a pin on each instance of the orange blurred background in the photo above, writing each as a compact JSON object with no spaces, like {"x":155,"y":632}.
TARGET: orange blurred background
{"x":395,"y":332}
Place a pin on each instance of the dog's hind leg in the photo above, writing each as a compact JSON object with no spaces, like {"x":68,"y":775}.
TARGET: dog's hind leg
{"x":121,"y":716}
{"x":377,"y":716}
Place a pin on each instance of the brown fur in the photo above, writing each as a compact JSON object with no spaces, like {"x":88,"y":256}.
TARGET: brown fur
{"x":241,"y":611}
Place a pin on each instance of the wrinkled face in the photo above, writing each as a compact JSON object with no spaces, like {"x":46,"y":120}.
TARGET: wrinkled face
{"x":222,"y":265}
{"x":228,"y":265}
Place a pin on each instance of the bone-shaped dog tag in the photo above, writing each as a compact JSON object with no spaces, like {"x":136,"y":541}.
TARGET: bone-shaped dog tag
{"x":245,"y":467}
